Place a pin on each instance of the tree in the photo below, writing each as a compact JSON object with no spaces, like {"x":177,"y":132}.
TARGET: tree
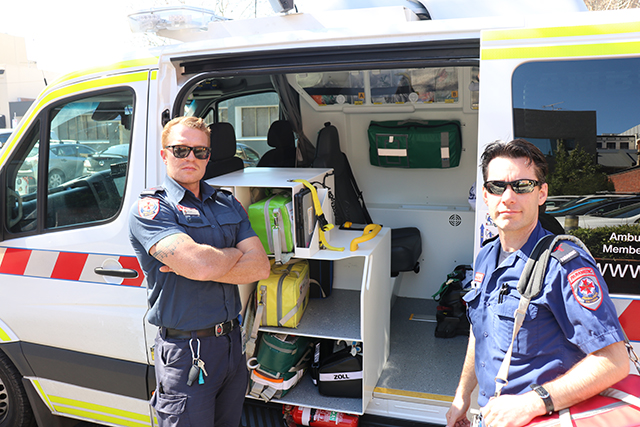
{"x":577,"y":173}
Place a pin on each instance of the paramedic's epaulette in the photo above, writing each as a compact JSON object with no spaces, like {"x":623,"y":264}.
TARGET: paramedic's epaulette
{"x":151,"y":191}
{"x":564,"y":253}
{"x":223,"y":191}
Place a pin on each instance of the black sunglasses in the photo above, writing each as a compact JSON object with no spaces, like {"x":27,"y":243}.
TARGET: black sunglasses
{"x":182,"y":151}
{"x":519,"y":186}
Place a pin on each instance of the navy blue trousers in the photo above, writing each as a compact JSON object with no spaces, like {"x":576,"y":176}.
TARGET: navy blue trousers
{"x":216,"y":403}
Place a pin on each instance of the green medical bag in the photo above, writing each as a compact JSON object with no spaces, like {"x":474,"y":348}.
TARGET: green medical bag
{"x":415,"y":144}
{"x":271,"y":219}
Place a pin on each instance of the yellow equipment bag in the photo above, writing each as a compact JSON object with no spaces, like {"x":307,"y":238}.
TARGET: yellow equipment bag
{"x":283,"y":297}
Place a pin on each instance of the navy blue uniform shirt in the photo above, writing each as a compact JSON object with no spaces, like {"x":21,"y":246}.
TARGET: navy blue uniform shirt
{"x":218,"y":220}
{"x":572,"y":317}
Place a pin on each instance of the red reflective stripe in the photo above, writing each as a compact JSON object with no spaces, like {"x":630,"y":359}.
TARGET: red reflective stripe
{"x":15,"y":261}
{"x":132,"y":263}
{"x":69,"y":266}
{"x":629,"y":321}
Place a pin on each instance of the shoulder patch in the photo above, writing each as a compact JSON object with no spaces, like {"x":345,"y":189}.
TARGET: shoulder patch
{"x":564,"y":253}
{"x":151,"y":191}
{"x":586,"y":288}
{"x":148,"y":207}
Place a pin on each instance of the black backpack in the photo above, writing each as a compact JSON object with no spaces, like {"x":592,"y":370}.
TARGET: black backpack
{"x":451,"y":313}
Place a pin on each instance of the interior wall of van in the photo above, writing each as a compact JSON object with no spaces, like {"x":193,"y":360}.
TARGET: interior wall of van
{"x":445,"y":218}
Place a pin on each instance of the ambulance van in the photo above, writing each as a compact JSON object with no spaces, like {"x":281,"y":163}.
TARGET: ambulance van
{"x":74,"y":342}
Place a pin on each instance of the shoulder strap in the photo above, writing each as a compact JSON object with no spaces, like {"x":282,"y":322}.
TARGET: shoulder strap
{"x":529,"y":286}
{"x":532,"y":278}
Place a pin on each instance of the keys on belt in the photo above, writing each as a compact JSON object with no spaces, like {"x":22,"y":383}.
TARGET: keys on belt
{"x":216,"y":331}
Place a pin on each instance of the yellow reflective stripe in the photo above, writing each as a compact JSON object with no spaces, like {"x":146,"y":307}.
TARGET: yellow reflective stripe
{"x":134,"y":63}
{"x":406,"y":393}
{"x":4,"y":337}
{"x":574,"y":31}
{"x":43,"y":394}
{"x":67,"y":90}
{"x":99,"y":412}
{"x":561,"y":51}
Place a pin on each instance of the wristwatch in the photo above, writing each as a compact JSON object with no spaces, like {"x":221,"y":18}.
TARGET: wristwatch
{"x":545,"y":396}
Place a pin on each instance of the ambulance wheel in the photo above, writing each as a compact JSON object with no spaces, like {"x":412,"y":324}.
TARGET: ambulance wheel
{"x":15,"y":410}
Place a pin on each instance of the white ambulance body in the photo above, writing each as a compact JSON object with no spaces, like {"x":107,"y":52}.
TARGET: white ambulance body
{"x":74,"y":342}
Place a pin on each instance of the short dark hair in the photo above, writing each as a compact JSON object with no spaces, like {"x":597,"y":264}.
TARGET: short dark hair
{"x":516,"y":149}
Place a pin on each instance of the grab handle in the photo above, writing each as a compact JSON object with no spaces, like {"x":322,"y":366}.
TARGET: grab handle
{"x":370,"y":231}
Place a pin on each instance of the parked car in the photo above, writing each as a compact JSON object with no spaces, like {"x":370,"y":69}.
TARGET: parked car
{"x":556,"y":202}
{"x":105,"y":158}
{"x":585,"y":204}
{"x":249,"y":156}
{"x":4,"y":136}
{"x":626,"y":215}
{"x":66,"y":162}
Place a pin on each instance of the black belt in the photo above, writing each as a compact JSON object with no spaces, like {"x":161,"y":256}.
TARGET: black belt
{"x":215,"y":331}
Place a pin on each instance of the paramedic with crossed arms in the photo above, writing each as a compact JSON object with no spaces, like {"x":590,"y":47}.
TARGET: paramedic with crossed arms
{"x":571,"y":343}
{"x":195,"y":245}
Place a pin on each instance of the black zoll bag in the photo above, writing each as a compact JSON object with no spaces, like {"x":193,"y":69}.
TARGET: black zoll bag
{"x":617,"y":406}
{"x":337,"y":368}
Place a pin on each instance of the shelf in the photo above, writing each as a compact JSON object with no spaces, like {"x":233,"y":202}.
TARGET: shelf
{"x":305,"y":393}
{"x":334,"y":317}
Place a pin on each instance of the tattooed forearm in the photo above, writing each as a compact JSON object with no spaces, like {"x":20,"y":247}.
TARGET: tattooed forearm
{"x":167,"y":247}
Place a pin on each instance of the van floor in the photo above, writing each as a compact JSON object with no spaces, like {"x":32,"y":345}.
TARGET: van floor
{"x":419,"y":362}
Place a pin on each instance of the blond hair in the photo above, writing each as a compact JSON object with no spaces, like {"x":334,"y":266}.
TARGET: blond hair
{"x":188,"y":121}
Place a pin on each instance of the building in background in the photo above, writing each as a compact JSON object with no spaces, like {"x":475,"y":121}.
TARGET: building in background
{"x":20,"y":80}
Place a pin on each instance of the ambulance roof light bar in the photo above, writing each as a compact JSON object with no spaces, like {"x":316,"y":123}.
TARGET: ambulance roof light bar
{"x":172,"y":18}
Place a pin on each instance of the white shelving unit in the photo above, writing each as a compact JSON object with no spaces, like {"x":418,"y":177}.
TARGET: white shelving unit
{"x":359,"y":306}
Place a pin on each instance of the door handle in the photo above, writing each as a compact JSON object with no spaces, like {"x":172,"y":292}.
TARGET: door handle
{"x":125,"y":273}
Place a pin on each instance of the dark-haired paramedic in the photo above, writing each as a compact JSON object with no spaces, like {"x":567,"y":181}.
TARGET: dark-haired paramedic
{"x":570,"y":346}
{"x":195,"y":246}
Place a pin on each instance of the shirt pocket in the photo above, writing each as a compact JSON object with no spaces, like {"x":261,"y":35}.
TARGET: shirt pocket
{"x":472,"y":300}
{"x":504,"y":322}
{"x":230,"y":224}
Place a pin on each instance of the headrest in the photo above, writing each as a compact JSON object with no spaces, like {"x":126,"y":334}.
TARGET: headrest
{"x":281,"y":135}
{"x":223,"y":141}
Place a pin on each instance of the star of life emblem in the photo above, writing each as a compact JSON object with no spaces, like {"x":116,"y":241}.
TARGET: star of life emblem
{"x":586,"y":288}
{"x":148,"y":207}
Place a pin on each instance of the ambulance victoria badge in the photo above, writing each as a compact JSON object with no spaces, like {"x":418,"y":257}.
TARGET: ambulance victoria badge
{"x":586,"y":288}
{"x":148,"y":207}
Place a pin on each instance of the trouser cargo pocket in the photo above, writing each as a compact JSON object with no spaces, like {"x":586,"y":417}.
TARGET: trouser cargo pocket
{"x":170,"y":409}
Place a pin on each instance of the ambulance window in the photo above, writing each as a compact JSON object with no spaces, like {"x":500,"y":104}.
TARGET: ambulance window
{"x":88,"y":155}
{"x":584,"y":116}
{"x":251,"y":117}
{"x":72,"y":171}
{"x":21,"y":192}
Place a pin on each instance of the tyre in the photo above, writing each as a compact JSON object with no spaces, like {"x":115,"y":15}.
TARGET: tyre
{"x":56,"y":178}
{"x":15,"y":410}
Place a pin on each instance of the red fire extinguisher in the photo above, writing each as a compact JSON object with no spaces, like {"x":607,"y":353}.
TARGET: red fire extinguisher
{"x":320,"y":418}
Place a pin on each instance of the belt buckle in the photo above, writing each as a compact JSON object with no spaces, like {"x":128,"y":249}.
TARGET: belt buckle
{"x":219,"y":329}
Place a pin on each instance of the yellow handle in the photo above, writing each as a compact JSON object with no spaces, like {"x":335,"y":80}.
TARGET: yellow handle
{"x":370,"y":231}
{"x":323,"y":225}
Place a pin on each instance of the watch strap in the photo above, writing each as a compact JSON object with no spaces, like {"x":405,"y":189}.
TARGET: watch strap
{"x":545,"y":396}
